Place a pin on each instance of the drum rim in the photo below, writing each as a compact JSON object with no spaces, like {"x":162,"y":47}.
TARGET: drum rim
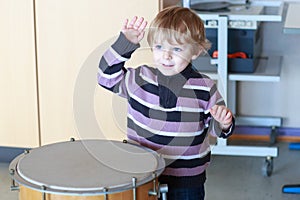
{"x":16,"y":176}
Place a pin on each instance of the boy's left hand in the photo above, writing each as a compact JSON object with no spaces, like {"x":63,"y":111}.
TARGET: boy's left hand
{"x":223,"y":115}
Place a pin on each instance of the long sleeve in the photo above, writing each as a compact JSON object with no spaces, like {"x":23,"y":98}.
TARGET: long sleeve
{"x":111,"y":73}
{"x":214,"y":126}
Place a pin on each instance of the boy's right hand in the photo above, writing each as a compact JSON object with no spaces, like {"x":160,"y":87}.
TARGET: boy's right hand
{"x":134,"y":31}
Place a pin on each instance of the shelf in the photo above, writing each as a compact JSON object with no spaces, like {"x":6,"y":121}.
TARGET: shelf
{"x":268,"y":70}
{"x":244,"y":151}
{"x":258,"y":121}
{"x":292,"y":21}
{"x":257,"y":10}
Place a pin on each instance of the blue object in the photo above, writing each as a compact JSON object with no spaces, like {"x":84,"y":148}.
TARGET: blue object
{"x":295,"y":189}
{"x":294,"y":146}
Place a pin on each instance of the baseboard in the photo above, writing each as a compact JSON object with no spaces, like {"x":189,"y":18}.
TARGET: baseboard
{"x":7,"y":154}
{"x":263,"y":134}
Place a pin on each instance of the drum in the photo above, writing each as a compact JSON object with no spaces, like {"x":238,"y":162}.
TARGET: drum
{"x":87,"y":169}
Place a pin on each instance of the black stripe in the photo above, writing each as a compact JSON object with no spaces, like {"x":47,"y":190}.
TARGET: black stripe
{"x":198,"y":94}
{"x":145,"y":85}
{"x":150,"y":88}
{"x":167,"y":140}
{"x":180,"y":163}
{"x":207,"y":115}
{"x":174,"y":182}
{"x":114,"y":89}
{"x":213,"y":90}
{"x":232,"y":129}
{"x":106,"y":69}
{"x":172,"y":116}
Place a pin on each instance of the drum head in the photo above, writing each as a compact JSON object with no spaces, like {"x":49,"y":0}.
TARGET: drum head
{"x":87,"y":166}
{"x":211,"y":6}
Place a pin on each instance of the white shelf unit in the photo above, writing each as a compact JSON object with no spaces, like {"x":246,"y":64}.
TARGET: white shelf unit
{"x":268,"y":70}
{"x":292,"y":21}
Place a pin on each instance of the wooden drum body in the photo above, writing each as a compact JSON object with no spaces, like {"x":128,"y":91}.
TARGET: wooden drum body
{"x":87,"y":170}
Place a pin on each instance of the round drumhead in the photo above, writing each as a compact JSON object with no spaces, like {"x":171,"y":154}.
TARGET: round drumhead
{"x":87,"y":166}
{"x":211,"y":6}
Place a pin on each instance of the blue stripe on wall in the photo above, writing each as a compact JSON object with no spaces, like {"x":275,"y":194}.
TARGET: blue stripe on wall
{"x":281,"y":131}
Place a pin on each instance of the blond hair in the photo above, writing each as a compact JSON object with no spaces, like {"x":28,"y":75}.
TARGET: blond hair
{"x":178,"y":24}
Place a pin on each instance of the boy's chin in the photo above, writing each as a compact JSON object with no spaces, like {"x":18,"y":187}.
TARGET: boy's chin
{"x":168,"y":72}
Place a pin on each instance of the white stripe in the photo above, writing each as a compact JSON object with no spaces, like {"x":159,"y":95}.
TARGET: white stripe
{"x":197,"y":87}
{"x":120,"y":91}
{"x":149,"y":80}
{"x":206,"y":111}
{"x":165,"y":133}
{"x":109,"y":76}
{"x":200,"y":155}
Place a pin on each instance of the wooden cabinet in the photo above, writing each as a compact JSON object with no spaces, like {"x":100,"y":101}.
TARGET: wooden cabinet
{"x":18,"y":102}
{"x":46,"y":47}
{"x":68,"y":32}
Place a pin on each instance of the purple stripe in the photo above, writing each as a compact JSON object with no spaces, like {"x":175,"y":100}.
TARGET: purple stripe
{"x":146,"y":96}
{"x":168,"y":150}
{"x":181,"y":102}
{"x":191,"y":103}
{"x":109,"y":82}
{"x":164,"y":125}
{"x":214,"y":98}
{"x":207,"y":120}
{"x":110,"y":58}
{"x":186,"y":171}
{"x":146,"y":72}
{"x":203,"y":82}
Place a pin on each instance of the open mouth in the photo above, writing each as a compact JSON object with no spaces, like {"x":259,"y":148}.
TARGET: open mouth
{"x":167,"y":65}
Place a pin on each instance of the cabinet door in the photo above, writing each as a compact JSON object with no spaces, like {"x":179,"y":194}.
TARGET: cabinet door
{"x":18,"y":102}
{"x":68,"y":32}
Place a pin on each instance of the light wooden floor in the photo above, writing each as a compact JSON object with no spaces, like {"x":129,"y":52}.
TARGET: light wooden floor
{"x":228,"y":178}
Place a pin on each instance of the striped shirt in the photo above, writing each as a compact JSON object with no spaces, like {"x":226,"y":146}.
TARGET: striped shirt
{"x":169,"y":114}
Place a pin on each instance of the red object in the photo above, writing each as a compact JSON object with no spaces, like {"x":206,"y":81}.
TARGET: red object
{"x":232,"y":55}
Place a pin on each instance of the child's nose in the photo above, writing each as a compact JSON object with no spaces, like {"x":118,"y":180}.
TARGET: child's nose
{"x":167,"y":54}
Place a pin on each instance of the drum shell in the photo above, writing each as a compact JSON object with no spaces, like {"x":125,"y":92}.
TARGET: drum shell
{"x":141,"y":194}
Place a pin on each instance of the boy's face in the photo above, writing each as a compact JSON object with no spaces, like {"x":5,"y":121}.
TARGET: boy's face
{"x":172,"y":58}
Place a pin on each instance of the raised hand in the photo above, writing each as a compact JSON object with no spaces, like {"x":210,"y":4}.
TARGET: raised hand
{"x":134,"y":30}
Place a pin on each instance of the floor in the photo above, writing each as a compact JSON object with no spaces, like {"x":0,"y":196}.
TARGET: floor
{"x":229,"y":178}
{"x":240,"y":178}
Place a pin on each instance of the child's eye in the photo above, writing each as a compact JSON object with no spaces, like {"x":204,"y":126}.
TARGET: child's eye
{"x":158,"y":46}
{"x":177,"y":49}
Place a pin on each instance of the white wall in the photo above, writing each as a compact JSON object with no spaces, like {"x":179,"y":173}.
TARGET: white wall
{"x":275,"y":99}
